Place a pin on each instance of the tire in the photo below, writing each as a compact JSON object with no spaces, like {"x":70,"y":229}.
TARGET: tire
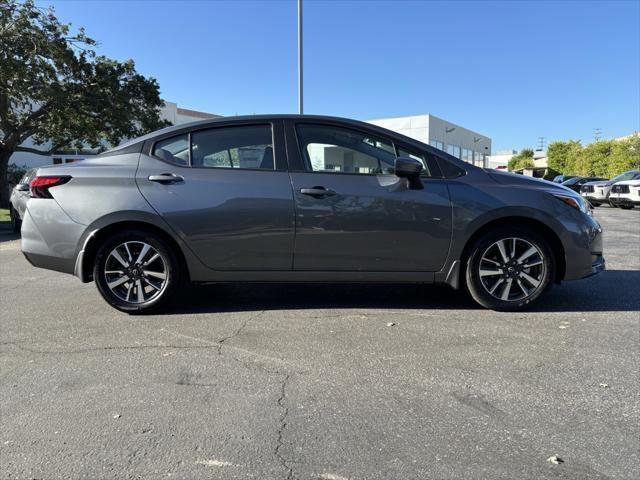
{"x":535,"y":280}
{"x":595,"y":204}
{"x":16,"y":223}
{"x":626,"y":207}
{"x":129,"y":286}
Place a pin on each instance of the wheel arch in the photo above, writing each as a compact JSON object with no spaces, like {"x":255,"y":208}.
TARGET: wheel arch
{"x":97,"y":236}
{"x":518,"y":221}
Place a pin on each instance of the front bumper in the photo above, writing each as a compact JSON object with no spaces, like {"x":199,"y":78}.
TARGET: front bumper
{"x":598,"y":265}
{"x":624,"y":201}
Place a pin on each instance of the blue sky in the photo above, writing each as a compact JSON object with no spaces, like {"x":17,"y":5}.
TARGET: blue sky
{"x":511,"y":70}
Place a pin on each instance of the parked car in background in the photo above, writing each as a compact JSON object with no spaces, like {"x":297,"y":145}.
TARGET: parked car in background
{"x":562,"y":178}
{"x":18,"y":199}
{"x":597,"y":193}
{"x":625,"y":194}
{"x":576,"y":183}
{"x":302,"y":198}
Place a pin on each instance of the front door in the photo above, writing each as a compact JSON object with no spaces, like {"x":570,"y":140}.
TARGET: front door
{"x":226,"y":192}
{"x":354,"y":214}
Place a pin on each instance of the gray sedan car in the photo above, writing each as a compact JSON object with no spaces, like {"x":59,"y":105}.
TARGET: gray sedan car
{"x":289,"y":198}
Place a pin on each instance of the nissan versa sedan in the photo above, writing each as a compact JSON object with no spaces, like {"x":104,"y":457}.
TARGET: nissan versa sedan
{"x":290,"y":198}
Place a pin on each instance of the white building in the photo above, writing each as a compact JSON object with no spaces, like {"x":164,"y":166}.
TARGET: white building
{"x":170,"y":111}
{"x":501,"y":159}
{"x":458,"y":141}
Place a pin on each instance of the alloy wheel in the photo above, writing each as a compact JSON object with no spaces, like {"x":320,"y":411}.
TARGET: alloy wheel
{"x":512,"y":269}
{"x":135,"y":272}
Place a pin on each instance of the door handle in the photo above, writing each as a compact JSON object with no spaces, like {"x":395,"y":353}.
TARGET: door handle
{"x":318,"y":192}
{"x":166,"y":178}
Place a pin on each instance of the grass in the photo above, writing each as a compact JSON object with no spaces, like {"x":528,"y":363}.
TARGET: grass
{"x":4,"y":216}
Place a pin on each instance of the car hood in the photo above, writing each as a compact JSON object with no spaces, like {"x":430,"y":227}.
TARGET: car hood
{"x":628,"y":182}
{"x":523,"y":181}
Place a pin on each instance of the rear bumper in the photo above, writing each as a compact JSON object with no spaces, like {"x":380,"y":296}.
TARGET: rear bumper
{"x":49,"y":238}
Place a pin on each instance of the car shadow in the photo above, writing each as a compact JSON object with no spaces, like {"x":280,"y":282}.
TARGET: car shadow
{"x":7,"y":234}
{"x":612,"y":290}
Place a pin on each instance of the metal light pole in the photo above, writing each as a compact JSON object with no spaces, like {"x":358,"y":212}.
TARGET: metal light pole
{"x":300,"y":98}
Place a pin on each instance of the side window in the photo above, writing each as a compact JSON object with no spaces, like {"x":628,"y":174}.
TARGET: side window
{"x":174,"y":149}
{"x":402,"y":152}
{"x":233,"y":147}
{"x":341,"y":150}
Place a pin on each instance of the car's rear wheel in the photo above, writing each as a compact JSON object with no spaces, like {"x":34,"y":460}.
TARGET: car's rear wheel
{"x":626,"y":207}
{"x":509,"y":268}
{"x":16,"y":223}
{"x":136,"y":272}
{"x":595,"y":204}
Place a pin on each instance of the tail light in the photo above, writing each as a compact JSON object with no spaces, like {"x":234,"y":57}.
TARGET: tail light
{"x":39,"y":186}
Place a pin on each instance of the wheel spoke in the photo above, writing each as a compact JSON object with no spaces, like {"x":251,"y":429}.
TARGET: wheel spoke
{"x":129,"y":289}
{"x":160,"y":275}
{"x":513,"y":248}
{"x":491,"y":261}
{"x":529,"y":265}
{"x":496,"y":285}
{"x":151,"y":260}
{"x":152,"y":285}
{"x":140,"y":291}
{"x":126,"y":247}
{"x":530,"y":251}
{"x":524,"y":290}
{"x":119,"y":258}
{"x":118,"y":282}
{"x":507,"y":290}
{"x":503,"y":251}
{"x":530,"y":279}
{"x":489,"y":273}
{"x":114,"y":272}
{"x":143,"y":253}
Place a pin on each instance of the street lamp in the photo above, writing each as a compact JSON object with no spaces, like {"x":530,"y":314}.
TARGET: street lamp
{"x":300,"y":98}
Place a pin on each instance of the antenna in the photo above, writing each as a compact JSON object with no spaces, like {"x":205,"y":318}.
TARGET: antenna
{"x":541,"y":143}
{"x":597,"y":132}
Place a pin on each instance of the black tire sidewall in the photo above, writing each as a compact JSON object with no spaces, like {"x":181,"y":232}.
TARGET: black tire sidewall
{"x":474,"y":284}
{"x":172,"y":263}
{"x":16,"y":223}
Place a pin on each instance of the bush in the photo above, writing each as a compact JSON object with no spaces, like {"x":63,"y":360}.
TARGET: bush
{"x":522,"y":160}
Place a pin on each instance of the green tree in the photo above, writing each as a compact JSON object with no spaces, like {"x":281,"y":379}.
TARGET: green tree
{"x":521,"y":160}
{"x":561,"y":155}
{"x":56,"y":90}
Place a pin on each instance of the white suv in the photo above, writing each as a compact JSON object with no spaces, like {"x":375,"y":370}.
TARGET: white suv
{"x":598,"y":192}
{"x":625,"y":194}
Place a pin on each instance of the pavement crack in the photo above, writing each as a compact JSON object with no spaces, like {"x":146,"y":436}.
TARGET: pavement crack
{"x":237,"y":331}
{"x":283,"y":425}
{"x":101,"y":349}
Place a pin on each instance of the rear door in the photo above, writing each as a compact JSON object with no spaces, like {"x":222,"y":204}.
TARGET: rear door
{"x":353,"y":213}
{"x":226,"y":191}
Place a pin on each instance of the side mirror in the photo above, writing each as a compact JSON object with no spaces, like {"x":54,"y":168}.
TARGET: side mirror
{"x":409,"y":168}
{"x":22,"y":187}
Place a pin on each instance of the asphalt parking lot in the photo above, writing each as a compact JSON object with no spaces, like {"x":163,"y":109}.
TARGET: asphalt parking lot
{"x":312,"y":382}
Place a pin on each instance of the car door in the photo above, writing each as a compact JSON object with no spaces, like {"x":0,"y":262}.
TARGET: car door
{"x":226,"y":191}
{"x":353,"y":213}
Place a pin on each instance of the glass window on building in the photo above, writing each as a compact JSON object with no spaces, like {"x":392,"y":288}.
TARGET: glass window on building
{"x":437,"y":144}
{"x":453,"y":150}
{"x":467,"y":155}
{"x":479,"y":159}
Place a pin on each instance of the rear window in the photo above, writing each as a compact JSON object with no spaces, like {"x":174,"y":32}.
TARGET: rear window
{"x":173,"y":150}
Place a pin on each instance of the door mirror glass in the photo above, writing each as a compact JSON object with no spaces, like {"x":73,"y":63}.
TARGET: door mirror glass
{"x":408,"y":167}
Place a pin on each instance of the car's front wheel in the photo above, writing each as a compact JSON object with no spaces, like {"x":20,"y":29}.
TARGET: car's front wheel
{"x":626,"y":207}
{"x":136,"y":271}
{"x":509,"y":268}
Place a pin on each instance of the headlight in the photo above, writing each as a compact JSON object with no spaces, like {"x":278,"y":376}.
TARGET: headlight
{"x":576,"y":202}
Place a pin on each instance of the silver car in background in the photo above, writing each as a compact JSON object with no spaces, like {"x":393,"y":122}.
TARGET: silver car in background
{"x":18,"y":200}
{"x":288,"y":198}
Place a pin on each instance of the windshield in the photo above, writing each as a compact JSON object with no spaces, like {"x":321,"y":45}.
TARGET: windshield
{"x":625,"y":176}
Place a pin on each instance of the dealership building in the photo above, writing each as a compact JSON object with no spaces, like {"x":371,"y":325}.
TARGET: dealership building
{"x":465,"y":144}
